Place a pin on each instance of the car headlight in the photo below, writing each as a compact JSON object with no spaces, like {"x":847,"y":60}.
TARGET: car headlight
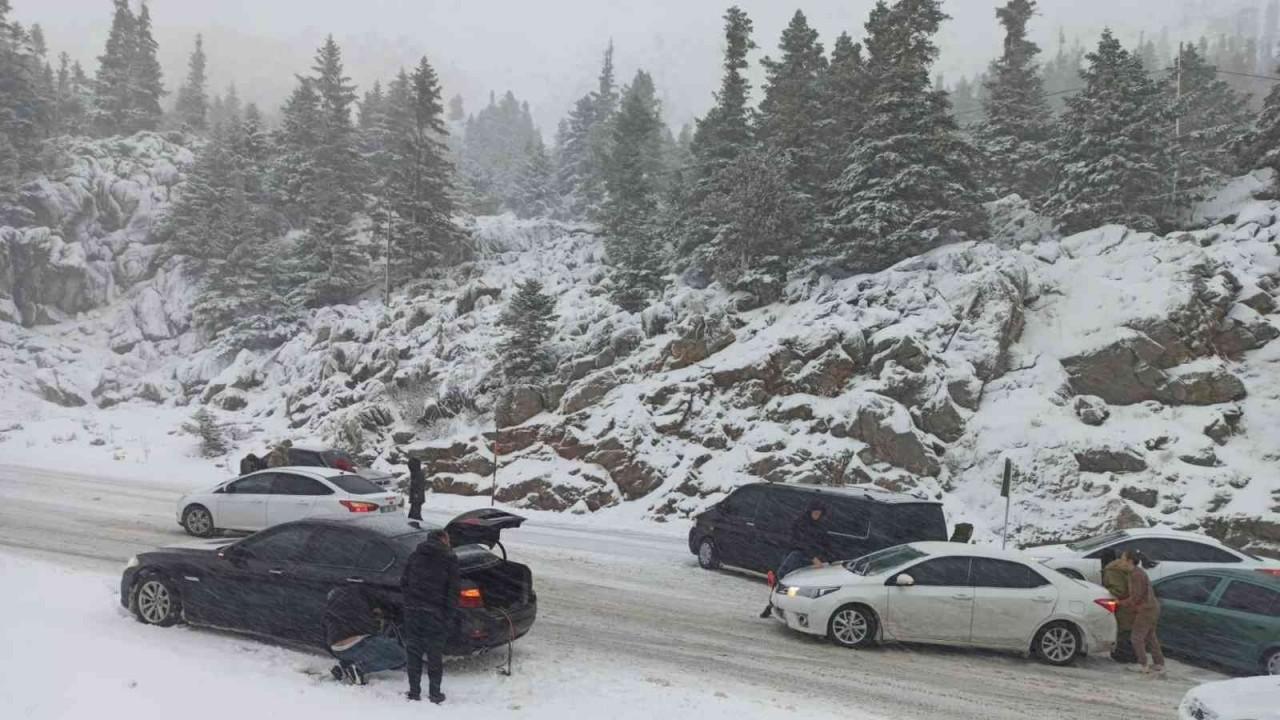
{"x":133,"y":563}
{"x":813,"y":593}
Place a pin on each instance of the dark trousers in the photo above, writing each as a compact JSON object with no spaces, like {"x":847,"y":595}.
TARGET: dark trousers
{"x":415,"y":510}
{"x":792,"y":562}
{"x":425,"y":633}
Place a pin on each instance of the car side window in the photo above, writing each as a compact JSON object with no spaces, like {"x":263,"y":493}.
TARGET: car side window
{"x":1189,"y":551}
{"x":281,"y":546}
{"x":848,"y":517}
{"x":259,"y":484}
{"x":375,"y":557}
{"x":743,"y":503}
{"x":988,"y":572}
{"x":304,"y":458}
{"x":1195,"y":589}
{"x":780,"y":507}
{"x":947,"y":571}
{"x":1249,"y":598}
{"x":338,"y":548}
{"x":290,"y":484}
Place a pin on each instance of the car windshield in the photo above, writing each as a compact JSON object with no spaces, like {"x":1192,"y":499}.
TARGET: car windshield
{"x":883,"y":560}
{"x":1097,"y":541}
{"x":355,"y":485}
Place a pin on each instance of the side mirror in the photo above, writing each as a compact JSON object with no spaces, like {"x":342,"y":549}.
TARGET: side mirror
{"x":904,"y":580}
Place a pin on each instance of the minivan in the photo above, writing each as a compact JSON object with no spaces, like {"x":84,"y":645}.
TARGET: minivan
{"x":751,"y":528}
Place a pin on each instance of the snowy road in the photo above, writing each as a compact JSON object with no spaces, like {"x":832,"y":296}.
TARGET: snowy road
{"x":638,"y":597}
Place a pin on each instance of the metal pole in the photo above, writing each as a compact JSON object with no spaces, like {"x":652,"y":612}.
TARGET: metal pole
{"x":493,"y":489}
{"x":1006,"y":488}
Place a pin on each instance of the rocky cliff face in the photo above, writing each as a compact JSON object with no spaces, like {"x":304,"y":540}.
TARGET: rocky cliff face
{"x":1132,"y":379}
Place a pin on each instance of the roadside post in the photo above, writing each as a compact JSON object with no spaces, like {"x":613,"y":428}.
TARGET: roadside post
{"x":1006,"y":492}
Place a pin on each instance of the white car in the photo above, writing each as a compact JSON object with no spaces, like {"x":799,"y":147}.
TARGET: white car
{"x":1172,"y":550}
{"x":278,"y":495}
{"x":1255,"y":698}
{"x":950,"y":594}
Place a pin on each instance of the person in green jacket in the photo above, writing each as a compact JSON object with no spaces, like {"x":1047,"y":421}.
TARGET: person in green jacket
{"x":1115,"y":578}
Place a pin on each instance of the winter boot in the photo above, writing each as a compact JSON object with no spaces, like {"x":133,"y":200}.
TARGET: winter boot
{"x":337,"y":672}
{"x":436,"y":697}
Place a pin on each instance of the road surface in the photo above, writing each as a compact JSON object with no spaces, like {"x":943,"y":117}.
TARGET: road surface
{"x":640,"y":595}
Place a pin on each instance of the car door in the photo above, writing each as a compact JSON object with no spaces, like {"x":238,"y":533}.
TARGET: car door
{"x":735,"y":527}
{"x":1246,"y":618}
{"x":1175,"y":556}
{"x":242,"y":505}
{"x":937,"y":607}
{"x":778,"y":510}
{"x":1185,"y":611}
{"x":1010,"y":601}
{"x":246,"y":583}
{"x":332,"y":558}
{"x":293,"y":497}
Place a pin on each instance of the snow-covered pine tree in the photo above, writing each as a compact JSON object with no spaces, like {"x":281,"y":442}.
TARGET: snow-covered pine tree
{"x":331,"y":266}
{"x":600,"y":136}
{"x":1260,"y":146}
{"x":528,"y":323}
{"x":536,"y":192}
{"x":254,"y":149}
{"x":74,"y":97}
{"x":908,"y":184}
{"x":193,"y":101}
{"x":211,"y":434}
{"x":1212,"y":116}
{"x":494,"y":150}
{"x":789,"y":115}
{"x":1113,"y":146}
{"x":1015,"y":137}
{"x":456,"y":112}
{"x":146,"y":85}
{"x":843,"y":106}
{"x":634,"y":175}
{"x":24,"y":112}
{"x":113,"y":85}
{"x":572,"y":157}
{"x":421,"y":187}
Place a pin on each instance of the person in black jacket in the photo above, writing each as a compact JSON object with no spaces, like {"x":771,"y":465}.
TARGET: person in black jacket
{"x":417,"y":489}
{"x":430,"y":585}
{"x":810,"y":545}
{"x":353,"y":630}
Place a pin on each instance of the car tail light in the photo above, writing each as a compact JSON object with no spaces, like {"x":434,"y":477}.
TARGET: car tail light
{"x":470,"y":598}
{"x":344,"y":464}
{"x":357,"y":506}
{"x":1108,"y":604}
{"x":1273,"y":572}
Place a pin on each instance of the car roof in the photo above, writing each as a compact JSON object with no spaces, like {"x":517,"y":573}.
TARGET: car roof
{"x":940,"y":548}
{"x":1260,"y":578}
{"x":316,"y":470}
{"x":1163,"y":532}
{"x":865,"y":492}
{"x":310,"y":448}
{"x":388,"y":526}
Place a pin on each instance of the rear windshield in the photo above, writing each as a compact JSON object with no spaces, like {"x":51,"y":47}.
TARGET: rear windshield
{"x":883,"y":560}
{"x":915,"y":522}
{"x":355,"y":485}
{"x":1097,"y":541}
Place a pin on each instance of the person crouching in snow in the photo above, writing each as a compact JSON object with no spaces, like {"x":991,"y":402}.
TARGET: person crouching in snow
{"x":354,"y":631}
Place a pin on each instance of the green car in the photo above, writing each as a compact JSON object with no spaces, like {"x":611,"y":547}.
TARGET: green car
{"x":1229,"y":617}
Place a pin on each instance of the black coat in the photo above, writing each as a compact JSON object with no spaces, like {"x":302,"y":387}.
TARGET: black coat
{"x":347,"y":613}
{"x":417,"y":487}
{"x":430,"y":581}
{"x":809,"y":536}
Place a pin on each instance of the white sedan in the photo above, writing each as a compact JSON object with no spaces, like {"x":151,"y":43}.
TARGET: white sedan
{"x":278,"y":495}
{"x":1255,"y":698}
{"x":1173,"y":552}
{"x":950,"y":594}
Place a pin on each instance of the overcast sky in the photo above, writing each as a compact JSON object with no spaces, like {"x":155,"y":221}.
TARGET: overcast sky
{"x":548,"y":51}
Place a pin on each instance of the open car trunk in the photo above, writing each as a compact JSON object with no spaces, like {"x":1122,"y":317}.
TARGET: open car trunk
{"x":482,"y":527}
{"x":503,"y":585}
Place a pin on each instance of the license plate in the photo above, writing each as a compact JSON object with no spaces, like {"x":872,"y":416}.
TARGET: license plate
{"x":387,"y":508}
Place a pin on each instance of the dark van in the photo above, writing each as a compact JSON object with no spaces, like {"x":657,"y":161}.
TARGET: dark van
{"x":751,"y":529}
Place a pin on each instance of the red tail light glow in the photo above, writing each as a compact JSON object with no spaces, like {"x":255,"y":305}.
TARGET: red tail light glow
{"x":1108,"y":604}
{"x":1273,"y":572}
{"x":344,"y":464}
{"x":470,"y":598}
{"x":357,"y":506}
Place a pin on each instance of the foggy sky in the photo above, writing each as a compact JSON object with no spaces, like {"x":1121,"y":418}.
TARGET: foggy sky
{"x":548,"y":51}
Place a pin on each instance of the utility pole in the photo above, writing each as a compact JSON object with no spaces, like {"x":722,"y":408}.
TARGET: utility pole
{"x":1177,"y":130}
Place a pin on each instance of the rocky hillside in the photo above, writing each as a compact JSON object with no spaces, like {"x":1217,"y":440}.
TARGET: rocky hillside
{"x":1132,"y":379}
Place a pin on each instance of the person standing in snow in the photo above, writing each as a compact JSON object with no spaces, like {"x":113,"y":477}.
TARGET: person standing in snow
{"x":430,"y":584}
{"x":354,"y":632}
{"x":417,"y":489}
{"x":810,"y":545}
{"x":1146,"y":615}
{"x":1116,"y":574}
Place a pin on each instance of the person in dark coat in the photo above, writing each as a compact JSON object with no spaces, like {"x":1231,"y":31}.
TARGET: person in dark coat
{"x":355,"y":634}
{"x":430,"y":585}
{"x":417,"y":489}
{"x":251,"y":463}
{"x":810,"y":545}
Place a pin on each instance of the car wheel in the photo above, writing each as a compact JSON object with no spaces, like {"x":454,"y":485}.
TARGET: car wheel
{"x":708,"y":558}
{"x":1073,"y":574}
{"x":852,"y":626}
{"x":1271,"y":663}
{"x":1058,"y":643}
{"x":155,"y":602}
{"x":198,"y":521}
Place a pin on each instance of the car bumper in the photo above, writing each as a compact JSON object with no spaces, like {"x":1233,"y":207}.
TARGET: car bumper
{"x":799,"y":614}
{"x":487,"y":628}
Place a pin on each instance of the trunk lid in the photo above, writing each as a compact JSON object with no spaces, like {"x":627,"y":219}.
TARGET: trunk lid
{"x":481,"y":527}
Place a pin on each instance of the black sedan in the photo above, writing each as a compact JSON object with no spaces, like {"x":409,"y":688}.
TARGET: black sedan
{"x":274,"y":583}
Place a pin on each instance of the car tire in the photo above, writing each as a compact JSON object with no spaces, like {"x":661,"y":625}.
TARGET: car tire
{"x":1058,"y":643}
{"x":198,"y":521}
{"x":708,"y":557}
{"x":1271,"y":663}
{"x":155,"y":601}
{"x":852,"y":626}
{"x":1073,"y":574}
